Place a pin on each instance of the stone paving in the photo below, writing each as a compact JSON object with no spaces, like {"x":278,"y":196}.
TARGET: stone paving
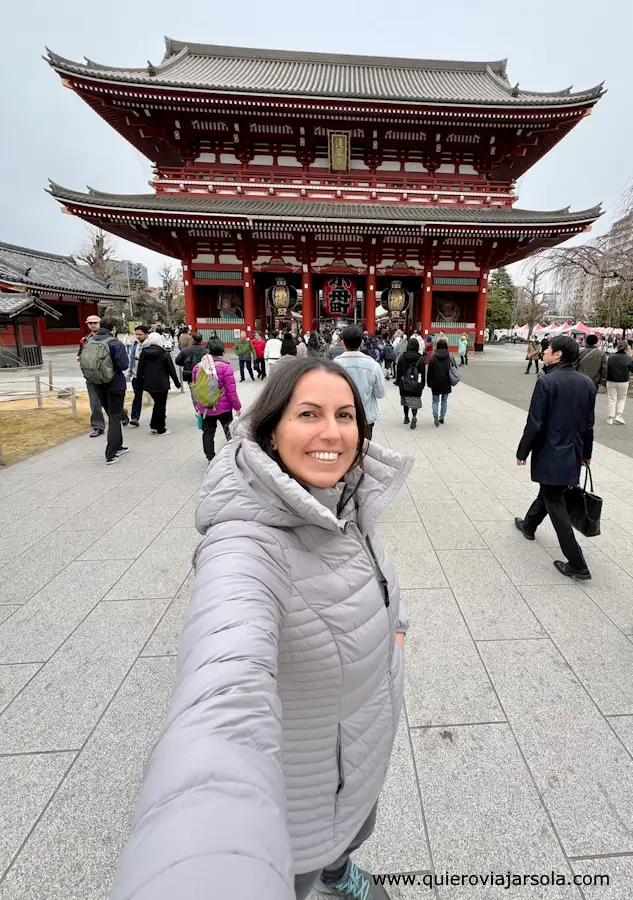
{"x":516,"y":749}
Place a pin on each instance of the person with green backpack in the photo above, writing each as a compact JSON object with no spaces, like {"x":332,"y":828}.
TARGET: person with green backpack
{"x":104,"y":362}
{"x":215,"y":396}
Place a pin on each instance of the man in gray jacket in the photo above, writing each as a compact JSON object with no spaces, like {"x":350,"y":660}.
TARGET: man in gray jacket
{"x":366,"y":373}
{"x":592,"y":361}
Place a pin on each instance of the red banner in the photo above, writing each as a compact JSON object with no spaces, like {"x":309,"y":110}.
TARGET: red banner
{"x":339,"y":296}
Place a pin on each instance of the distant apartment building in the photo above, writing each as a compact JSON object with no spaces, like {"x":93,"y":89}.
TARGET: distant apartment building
{"x":128,"y":276}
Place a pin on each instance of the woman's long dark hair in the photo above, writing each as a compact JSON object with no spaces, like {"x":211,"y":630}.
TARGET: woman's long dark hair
{"x":269,"y":407}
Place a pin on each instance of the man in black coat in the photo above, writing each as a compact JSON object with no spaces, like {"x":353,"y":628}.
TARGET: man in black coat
{"x":559,"y":435}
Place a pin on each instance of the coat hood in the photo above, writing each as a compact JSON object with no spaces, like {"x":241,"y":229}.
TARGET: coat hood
{"x":152,"y":351}
{"x":441,"y":354}
{"x":411,"y":357}
{"x":244,"y":483}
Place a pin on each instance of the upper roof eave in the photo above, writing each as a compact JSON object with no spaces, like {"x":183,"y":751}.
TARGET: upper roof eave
{"x":298,"y":210}
{"x":178,"y":51}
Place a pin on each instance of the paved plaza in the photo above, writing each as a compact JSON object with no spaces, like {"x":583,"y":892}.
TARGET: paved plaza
{"x":516,"y":748}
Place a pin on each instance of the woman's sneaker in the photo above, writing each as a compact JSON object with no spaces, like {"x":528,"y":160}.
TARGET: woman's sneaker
{"x":355,"y":884}
{"x":609,"y":421}
{"x":619,"y":420}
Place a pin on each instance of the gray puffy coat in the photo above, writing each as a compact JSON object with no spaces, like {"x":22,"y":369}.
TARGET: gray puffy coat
{"x":288,"y":692}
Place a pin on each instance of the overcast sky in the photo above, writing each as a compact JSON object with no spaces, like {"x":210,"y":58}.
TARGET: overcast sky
{"x":48,"y":132}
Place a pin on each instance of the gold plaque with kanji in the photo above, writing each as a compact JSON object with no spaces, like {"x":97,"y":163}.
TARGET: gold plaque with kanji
{"x":339,"y":151}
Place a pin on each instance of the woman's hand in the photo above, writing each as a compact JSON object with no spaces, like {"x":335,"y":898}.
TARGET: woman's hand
{"x":400,"y":638}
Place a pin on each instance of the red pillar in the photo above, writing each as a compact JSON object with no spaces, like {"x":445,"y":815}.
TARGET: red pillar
{"x":370,"y":300}
{"x":480,"y":313}
{"x":190,"y":295}
{"x":427,"y":300}
{"x":307,"y":300}
{"x":249,"y":299}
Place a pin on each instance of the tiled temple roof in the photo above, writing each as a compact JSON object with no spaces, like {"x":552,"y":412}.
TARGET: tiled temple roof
{"x":314,"y":210}
{"x":283,"y":72}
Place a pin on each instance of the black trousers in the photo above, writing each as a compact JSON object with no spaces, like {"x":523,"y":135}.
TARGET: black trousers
{"x":112,"y":402}
{"x":464,"y":359}
{"x":209,"y":424}
{"x":159,"y":411}
{"x":260,"y":367}
{"x":305,"y":883}
{"x":249,"y":366}
{"x":550,"y":501}
{"x":529,"y":365}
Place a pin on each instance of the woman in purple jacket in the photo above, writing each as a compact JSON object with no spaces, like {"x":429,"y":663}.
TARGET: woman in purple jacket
{"x":229,"y":401}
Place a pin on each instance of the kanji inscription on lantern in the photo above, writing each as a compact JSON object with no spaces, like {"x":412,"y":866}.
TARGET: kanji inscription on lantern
{"x":338,"y":296}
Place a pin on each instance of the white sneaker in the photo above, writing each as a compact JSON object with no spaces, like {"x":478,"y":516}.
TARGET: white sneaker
{"x":619,"y":420}
{"x":161,"y":433}
{"x":610,"y":421}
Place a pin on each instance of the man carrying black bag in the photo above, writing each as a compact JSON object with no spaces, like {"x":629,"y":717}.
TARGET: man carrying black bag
{"x":559,"y":435}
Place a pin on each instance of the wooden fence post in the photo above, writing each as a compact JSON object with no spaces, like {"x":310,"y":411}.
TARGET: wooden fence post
{"x":38,"y":391}
{"x":50,"y":374}
{"x":73,"y":402}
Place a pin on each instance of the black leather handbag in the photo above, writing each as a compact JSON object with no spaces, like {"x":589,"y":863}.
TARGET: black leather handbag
{"x":584,"y":507}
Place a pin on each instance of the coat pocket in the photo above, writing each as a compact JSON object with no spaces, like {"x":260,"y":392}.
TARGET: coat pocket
{"x":339,"y":762}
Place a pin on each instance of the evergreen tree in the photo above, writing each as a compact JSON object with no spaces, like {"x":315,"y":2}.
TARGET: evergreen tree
{"x":501,"y":300}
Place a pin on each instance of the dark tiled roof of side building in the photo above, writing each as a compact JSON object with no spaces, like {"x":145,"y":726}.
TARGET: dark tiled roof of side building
{"x":12,"y":304}
{"x":37,"y":269}
{"x":295,"y":73}
{"x":315,"y":210}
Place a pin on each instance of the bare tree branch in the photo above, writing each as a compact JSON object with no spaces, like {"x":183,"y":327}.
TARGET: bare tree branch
{"x":97,"y":252}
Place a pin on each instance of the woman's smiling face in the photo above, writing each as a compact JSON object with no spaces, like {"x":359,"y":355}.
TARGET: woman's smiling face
{"x":317,"y":435}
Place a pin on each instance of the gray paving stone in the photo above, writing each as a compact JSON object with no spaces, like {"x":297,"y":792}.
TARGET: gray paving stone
{"x":583,"y":773}
{"x":185,"y":517}
{"x":161,"y":569}
{"x":482,"y":811}
{"x":451,"y":529}
{"x":82,"y":832}
{"x":132,"y":535}
{"x":619,"y":870}
{"x":398,"y":843}
{"x":523,"y":561}
{"x":479,"y":504}
{"x":26,"y":785}
{"x":101,"y":515}
{"x":411,"y":552}
{"x":44,"y":622}
{"x":491,"y":605}
{"x":18,"y":537}
{"x":597,"y":651}
{"x":60,"y":706}
{"x":445,"y":681}
{"x":16,"y":506}
{"x":401,"y":509}
{"x":6,"y":612}
{"x":26,"y":574}
{"x":166,"y":639}
{"x":623,"y":727}
{"x":13,"y":679}
{"x":610,"y":587}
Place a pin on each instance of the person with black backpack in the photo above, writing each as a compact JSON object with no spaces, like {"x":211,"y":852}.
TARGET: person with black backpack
{"x":410,"y":374}
{"x":189,"y":357}
{"x":104,"y":362}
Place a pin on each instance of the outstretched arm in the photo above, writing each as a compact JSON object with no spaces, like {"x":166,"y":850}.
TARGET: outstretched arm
{"x":211,"y":818}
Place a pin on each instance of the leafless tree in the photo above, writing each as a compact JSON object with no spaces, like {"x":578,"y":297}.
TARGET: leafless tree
{"x":166,"y":275}
{"x":98,"y":252}
{"x":606,"y":262}
{"x":530,"y":307}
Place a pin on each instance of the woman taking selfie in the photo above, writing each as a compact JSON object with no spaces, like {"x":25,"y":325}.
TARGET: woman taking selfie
{"x":290,"y":673}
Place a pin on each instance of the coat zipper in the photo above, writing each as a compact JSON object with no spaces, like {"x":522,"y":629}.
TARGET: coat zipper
{"x":379,"y":574}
